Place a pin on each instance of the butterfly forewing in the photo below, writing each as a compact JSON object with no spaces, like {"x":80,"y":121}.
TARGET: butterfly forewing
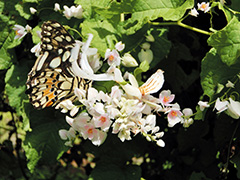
{"x":51,"y":79}
{"x":55,"y":49}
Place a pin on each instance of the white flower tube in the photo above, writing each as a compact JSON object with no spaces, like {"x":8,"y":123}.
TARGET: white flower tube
{"x":85,"y":70}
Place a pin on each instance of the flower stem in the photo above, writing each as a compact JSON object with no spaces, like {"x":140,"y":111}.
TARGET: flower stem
{"x":179,"y":23}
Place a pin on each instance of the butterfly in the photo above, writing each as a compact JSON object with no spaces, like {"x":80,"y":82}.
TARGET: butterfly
{"x":51,"y":79}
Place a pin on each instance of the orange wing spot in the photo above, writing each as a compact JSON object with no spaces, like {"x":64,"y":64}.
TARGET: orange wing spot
{"x":46,"y":92}
{"x":51,"y":96}
{"x":49,"y":103}
{"x":49,"y":81}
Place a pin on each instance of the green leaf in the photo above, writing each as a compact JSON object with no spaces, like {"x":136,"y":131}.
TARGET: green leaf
{"x":104,"y":34}
{"x":7,"y":55}
{"x":15,"y":80}
{"x":43,"y":143}
{"x":112,"y":158}
{"x":142,"y":11}
{"x":214,"y":71}
{"x":89,"y":5}
{"x":198,"y":176}
{"x":1,"y":6}
{"x":177,"y":74}
{"x":36,"y":39}
{"x":160,"y":47}
{"x":235,"y":5}
{"x":143,"y":67}
{"x":227,"y":42}
{"x":107,"y":171}
{"x":15,"y":86}
{"x":23,"y":10}
{"x":30,"y":1}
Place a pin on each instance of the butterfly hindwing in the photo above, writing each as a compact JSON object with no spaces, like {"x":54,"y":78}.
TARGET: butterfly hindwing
{"x":51,"y":79}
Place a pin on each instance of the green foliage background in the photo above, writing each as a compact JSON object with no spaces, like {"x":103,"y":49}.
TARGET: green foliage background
{"x":195,"y":63}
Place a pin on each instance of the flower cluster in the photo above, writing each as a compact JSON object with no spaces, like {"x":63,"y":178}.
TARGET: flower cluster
{"x":72,"y":11}
{"x":205,"y":7}
{"x":228,"y":105}
{"x":231,"y":107}
{"x":113,"y":57}
{"x":118,"y":111}
{"x":127,"y":110}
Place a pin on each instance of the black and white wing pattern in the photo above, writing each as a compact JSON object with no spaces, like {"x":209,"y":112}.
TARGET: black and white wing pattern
{"x":51,"y":79}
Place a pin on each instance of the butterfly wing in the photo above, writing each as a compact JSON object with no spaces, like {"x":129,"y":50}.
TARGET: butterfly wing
{"x":51,"y":79}
{"x":55,"y":49}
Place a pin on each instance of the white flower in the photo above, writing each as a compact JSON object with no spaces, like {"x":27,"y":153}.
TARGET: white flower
{"x":94,"y":59}
{"x":120,"y":46}
{"x":21,"y":31}
{"x":174,"y":115}
{"x":66,"y":106}
{"x":131,"y":90}
{"x":129,"y":61}
{"x":204,"y":6}
{"x":203,"y":105}
{"x":113,"y":57}
{"x":67,"y":135}
{"x":145,"y":55}
{"x":103,"y":122}
{"x":230,"y":84}
{"x":83,"y":68}
{"x":77,"y":11}
{"x":124,"y":134}
{"x":56,"y":7}
{"x":194,"y":12}
{"x":79,"y":121}
{"x":187,"y":121}
{"x":32,"y":10}
{"x":221,"y":105}
{"x":234,"y":109}
{"x":166,"y":97}
{"x":67,"y":12}
{"x":28,"y":28}
{"x":73,"y":12}
{"x":36,"y":49}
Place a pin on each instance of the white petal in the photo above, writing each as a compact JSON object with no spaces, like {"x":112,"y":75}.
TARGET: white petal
{"x":132,"y":91}
{"x":160,"y":143}
{"x":153,"y":84}
{"x":63,"y":134}
{"x":234,"y":109}
{"x":133,"y":80}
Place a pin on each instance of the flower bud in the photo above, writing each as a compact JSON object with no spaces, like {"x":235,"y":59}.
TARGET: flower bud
{"x":146,"y":46}
{"x":56,"y":7}
{"x":150,"y":38}
{"x":32,"y":10}
{"x":146,"y":55}
{"x":129,"y":61}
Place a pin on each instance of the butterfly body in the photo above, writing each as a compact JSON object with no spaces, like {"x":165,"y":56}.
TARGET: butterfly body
{"x":51,"y":79}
